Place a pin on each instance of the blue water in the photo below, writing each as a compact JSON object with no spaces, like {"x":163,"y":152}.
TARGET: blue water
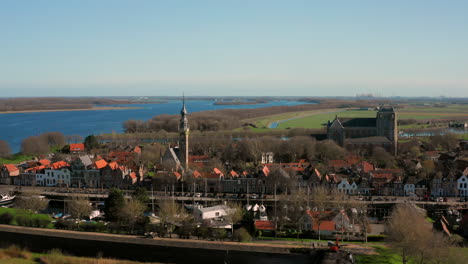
{"x":15,"y":127}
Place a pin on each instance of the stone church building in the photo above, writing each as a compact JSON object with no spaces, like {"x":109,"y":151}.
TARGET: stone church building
{"x":366,"y":133}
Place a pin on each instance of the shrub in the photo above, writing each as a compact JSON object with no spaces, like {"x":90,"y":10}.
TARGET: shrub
{"x":6,"y":218}
{"x":242,"y":235}
{"x":16,"y":252}
{"x":23,"y":220}
{"x":220,"y":233}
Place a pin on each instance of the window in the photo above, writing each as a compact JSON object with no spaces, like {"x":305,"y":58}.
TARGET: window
{"x":217,"y":214}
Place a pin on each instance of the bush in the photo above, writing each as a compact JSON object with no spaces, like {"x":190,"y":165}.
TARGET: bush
{"x":242,"y":235}
{"x":16,"y":252}
{"x":6,"y":218}
{"x":23,"y":220}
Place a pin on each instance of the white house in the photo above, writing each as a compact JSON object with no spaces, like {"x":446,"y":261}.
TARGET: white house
{"x":267,"y":157}
{"x":410,"y":186}
{"x":462,"y":185}
{"x":347,"y":188}
{"x":50,"y":177}
{"x":214,"y":216}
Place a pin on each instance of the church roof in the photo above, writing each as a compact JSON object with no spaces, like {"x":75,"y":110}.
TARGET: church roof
{"x":358,"y":122}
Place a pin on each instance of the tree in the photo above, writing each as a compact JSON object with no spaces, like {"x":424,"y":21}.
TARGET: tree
{"x":79,"y":207}
{"x":5,"y":149}
{"x":31,"y":202}
{"x":91,"y":142}
{"x":328,"y":150}
{"x":320,"y":202}
{"x":234,"y":215}
{"x":34,"y":145}
{"x":141,"y":194}
{"x":412,"y":236}
{"x":131,"y":213}
{"x":170,"y":213}
{"x":382,"y":158}
{"x":114,"y":202}
{"x":54,"y":139}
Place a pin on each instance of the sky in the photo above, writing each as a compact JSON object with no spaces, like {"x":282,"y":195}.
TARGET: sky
{"x":224,"y":48}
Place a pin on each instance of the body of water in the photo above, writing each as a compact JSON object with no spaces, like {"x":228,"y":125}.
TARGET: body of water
{"x":15,"y":127}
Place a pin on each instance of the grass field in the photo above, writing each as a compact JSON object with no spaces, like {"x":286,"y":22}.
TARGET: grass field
{"x":15,"y":159}
{"x":25,"y":216}
{"x":263,"y":122}
{"x":316,"y":121}
{"x":15,"y":255}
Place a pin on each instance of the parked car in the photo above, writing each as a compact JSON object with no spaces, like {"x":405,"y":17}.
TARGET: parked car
{"x":253,"y":196}
{"x":198,"y":195}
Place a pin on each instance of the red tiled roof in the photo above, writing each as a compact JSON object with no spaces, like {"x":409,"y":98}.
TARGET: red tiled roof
{"x":196,"y":174}
{"x":114,"y":165}
{"x":366,"y":166}
{"x":325,"y":226}
{"x":265,"y":225}
{"x":133,"y":175}
{"x":77,"y":147}
{"x":44,"y":162}
{"x":217,"y":171}
{"x":99,"y":164}
{"x":318,"y":173}
{"x":234,"y":174}
{"x":352,"y":160}
{"x":178,"y":176}
{"x":37,"y":168}
{"x":338,"y":164}
{"x":59,"y":164}
{"x":137,"y":149}
{"x":11,"y":168}
{"x":245,"y":173}
{"x":121,"y":156}
{"x":266,"y":171}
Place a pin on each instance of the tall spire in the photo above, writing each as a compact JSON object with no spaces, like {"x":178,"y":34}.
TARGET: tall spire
{"x":184,"y":110}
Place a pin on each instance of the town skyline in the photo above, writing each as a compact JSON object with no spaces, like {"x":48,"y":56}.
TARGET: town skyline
{"x":231,"y":49}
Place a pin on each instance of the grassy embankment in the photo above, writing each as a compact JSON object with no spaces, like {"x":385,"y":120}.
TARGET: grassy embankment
{"x":15,"y":255}
{"x":15,"y":159}
{"x":21,"y":217}
{"x":386,"y":256}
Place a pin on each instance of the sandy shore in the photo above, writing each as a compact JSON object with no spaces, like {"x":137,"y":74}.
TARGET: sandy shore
{"x":66,"y":110}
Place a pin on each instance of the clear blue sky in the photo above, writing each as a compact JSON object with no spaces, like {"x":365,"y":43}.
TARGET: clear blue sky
{"x":310,"y":48}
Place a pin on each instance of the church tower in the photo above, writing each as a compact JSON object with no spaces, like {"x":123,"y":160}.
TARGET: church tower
{"x":387,"y":125}
{"x":183,"y":136}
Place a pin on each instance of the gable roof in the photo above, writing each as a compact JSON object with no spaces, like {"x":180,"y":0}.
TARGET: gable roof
{"x":11,"y":168}
{"x":264,"y":225}
{"x":44,"y":162}
{"x":178,"y":175}
{"x":265,"y":170}
{"x":218,"y":172}
{"x":99,"y":164}
{"x":196,"y":174}
{"x":359,"y":122}
{"x":114,"y":165}
{"x":59,"y":164}
{"x":234,"y":174}
{"x":77,"y":147}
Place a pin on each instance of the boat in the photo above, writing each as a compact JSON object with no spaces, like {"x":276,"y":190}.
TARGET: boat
{"x":6,"y":199}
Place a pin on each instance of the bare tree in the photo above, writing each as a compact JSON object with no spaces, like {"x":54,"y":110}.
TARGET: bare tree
{"x":320,"y":202}
{"x":170,"y":214}
{"x":31,"y":202}
{"x":79,"y":207}
{"x":234,"y":215}
{"x":131,"y":212}
{"x":5,"y":149}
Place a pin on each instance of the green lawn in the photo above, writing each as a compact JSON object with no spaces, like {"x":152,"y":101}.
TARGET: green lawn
{"x":316,"y":121}
{"x":385,"y":256}
{"x":15,"y":159}
{"x":25,"y":214}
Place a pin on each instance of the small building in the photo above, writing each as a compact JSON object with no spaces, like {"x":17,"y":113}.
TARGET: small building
{"x":462,"y":186}
{"x":8,"y":173}
{"x":50,"y":177}
{"x":77,"y":148}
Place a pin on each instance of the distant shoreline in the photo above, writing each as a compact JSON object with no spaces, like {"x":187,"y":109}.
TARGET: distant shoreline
{"x":95,"y":108}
